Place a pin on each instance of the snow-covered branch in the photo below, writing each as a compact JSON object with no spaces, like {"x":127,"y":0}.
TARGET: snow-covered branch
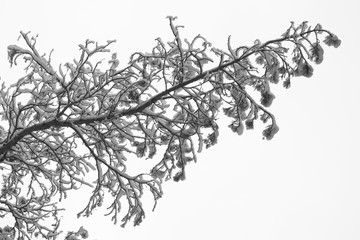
{"x":60,"y":126}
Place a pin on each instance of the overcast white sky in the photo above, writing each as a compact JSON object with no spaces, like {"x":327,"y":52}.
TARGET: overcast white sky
{"x":304,"y":184}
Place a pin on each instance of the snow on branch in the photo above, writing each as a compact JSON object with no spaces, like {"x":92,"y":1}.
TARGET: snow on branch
{"x":59,"y":125}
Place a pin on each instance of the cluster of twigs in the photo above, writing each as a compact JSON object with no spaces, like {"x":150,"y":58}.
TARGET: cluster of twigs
{"x":165,"y":98}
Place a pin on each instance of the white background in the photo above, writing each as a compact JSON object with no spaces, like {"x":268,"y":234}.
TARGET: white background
{"x":304,"y":184}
